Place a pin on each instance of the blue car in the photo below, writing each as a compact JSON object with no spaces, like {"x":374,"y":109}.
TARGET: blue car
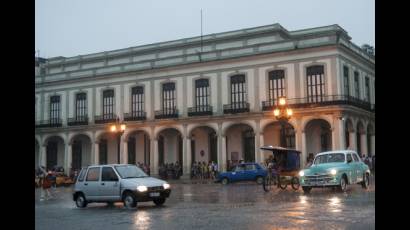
{"x":243,"y":172}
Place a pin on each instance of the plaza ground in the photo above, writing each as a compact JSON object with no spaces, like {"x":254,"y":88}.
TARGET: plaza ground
{"x":214,"y":206}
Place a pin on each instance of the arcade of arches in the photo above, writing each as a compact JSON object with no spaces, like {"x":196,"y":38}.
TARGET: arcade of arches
{"x":218,"y":142}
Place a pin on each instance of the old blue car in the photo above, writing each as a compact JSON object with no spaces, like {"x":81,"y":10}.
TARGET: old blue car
{"x":243,"y":172}
{"x":335,"y":169}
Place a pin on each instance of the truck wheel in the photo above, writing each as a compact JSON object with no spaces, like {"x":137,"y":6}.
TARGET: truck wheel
{"x":159,"y":202}
{"x":80,"y":201}
{"x":366,"y":181}
{"x":129,"y":200}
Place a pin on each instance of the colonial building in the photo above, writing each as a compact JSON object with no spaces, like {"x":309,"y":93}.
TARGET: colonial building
{"x":206,"y":99}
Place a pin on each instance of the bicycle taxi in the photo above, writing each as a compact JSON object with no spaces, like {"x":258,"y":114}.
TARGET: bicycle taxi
{"x":283,"y":169}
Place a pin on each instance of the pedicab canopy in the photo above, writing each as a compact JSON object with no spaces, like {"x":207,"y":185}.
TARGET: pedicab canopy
{"x":289,"y":159}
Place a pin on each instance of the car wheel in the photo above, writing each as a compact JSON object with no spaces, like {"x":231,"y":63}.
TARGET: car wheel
{"x":80,"y":201}
{"x":129,"y":200}
{"x":366,"y":181}
{"x":225,"y":181}
{"x":343,"y":184}
{"x":295,"y":183}
{"x":259,"y":180}
{"x":159,"y":202}
{"x":306,"y":189}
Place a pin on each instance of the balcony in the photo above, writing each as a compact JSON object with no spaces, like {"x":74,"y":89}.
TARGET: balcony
{"x":106,"y":118}
{"x":237,"y":107}
{"x":203,"y":110}
{"x":166,"y":113}
{"x":135,"y":116}
{"x":80,"y":120}
{"x":322,"y":101}
{"x":52,"y":123}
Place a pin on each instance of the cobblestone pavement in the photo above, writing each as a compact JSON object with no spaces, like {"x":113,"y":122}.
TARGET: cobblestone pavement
{"x":214,"y":206}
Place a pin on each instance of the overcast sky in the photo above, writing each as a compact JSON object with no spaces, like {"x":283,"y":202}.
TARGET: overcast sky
{"x":75,"y":27}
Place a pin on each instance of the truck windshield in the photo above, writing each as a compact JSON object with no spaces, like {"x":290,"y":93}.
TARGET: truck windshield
{"x":329,"y":158}
{"x":130,"y":171}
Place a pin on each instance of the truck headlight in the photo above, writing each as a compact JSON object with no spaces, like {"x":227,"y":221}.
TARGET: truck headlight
{"x":333,"y":172}
{"x":142,"y":188}
{"x":166,"y":186}
{"x":301,"y":173}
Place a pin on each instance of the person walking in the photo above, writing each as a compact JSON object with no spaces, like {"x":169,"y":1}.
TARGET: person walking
{"x":45,"y":182}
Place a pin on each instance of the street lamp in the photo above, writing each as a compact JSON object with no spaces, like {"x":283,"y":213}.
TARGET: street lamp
{"x":118,"y":128}
{"x":282,"y":113}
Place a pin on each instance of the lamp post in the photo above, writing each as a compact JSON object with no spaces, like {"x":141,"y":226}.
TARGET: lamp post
{"x":282,"y":113}
{"x":118,"y":128}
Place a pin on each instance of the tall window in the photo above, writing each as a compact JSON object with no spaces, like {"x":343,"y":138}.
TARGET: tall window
{"x":346,"y":80}
{"x":55,"y":109}
{"x":201,"y":94}
{"x":356,"y":84}
{"x":81,"y":106}
{"x":367,"y":89}
{"x":137,"y":101}
{"x":108,"y":104}
{"x":315,"y":83}
{"x":168,"y":98}
{"x":276,"y":85}
{"x":290,"y":137}
{"x":238,"y":91}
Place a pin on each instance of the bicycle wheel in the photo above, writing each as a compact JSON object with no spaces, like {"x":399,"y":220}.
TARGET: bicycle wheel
{"x":267,"y":183}
{"x":295,"y":183}
{"x":282,"y":183}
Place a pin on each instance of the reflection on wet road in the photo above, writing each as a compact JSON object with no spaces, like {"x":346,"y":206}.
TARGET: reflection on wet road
{"x":214,"y":206}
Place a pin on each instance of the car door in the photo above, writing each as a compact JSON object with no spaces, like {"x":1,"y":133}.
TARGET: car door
{"x":92,"y":183}
{"x":359,"y":167}
{"x":250,"y":172}
{"x":352,"y":167}
{"x":109,"y":185}
{"x":238,"y":173}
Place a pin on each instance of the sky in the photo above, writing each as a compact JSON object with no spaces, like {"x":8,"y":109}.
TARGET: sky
{"x":77,"y":27}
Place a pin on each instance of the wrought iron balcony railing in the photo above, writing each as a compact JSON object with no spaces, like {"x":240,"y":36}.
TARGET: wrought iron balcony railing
{"x":105,"y":118}
{"x":166,"y":113}
{"x":237,"y":107}
{"x":202,"y":110}
{"x":55,"y":122}
{"x":310,"y":102}
{"x":80,"y":120}
{"x":135,"y":116}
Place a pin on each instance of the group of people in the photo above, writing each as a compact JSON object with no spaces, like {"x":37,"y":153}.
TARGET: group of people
{"x":144,"y":167}
{"x":170,"y":171}
{"x":370,"y":162}
{"x":203,"y":170}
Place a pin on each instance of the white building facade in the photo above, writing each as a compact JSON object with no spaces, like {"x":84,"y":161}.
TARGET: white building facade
{"x":212,"y":100}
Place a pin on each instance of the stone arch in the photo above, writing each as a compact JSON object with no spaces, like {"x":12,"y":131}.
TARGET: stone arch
{"x":130,"y":131}
{"x":81,"y":151}
{"x":306,"y":121}
{"x":47,"y":137}
{"x":55,"y":150}
{"x":227,"y":125}
{"x":318,"y":135}
{"x":266,"y":122}
{"x":204,"y":143}
{"x":137,"y":145}
{"x":240,"y":142}
{"x":191,"y":127}
{"x":161,"y":128}
{"x":72,"y":136}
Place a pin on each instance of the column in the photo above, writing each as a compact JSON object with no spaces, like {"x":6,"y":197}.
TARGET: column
{"x":96,"y":158}
{"x":124,"y":152}
{"x":257,"y":147}
{"x":188,"y":156}
{"x":352,"y":140}
{"x":223,"y":162}
{"x":372,"y":144}
{"x":341,"y":133}
{"x":334,"y":138}
{"x":92,"y":155}
{"x":261,"y":143}
{"x":185,"y":169}
{"x":67,"y":158}
{"x":43,"y":155}
{"x":154,"y":157}
{"x":219,"y":151}
{"x":304,"y":149}
{"x":363,"y":141}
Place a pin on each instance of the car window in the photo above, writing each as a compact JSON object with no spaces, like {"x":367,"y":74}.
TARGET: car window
{"x":329,"y":158}
{"x":108,"y":174}
{"x":239,"y":168}
{"x":349,"y":157}
{"x":130,"y":171}
{"x":82,"y":174}
{"x":250,"y":167}
{"x":356,"y":158}
{"x":93,"y":174}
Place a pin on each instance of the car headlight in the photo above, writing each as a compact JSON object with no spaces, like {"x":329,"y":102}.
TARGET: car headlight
{"x":333,"y":172}
{"x":142,"y":188}
{"x":301,"y":173}
{"x":166,"y":186}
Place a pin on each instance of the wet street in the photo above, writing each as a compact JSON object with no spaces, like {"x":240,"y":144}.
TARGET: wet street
{"x":214,"y":206}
